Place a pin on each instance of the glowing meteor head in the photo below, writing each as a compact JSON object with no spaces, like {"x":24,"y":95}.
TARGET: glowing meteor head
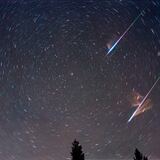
{"x":111,"y":44}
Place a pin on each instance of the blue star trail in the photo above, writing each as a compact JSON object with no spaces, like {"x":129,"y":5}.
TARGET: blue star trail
{"x":116,"y":43}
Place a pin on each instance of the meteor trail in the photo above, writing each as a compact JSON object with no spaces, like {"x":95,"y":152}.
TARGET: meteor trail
{"x":115,"y":44}
{"x":143,"y":100}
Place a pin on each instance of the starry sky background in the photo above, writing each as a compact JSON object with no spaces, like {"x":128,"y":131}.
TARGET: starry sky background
{"x":56,"y":83}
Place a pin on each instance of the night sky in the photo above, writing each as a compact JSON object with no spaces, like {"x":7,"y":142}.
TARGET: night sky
{"x":58,"y":84}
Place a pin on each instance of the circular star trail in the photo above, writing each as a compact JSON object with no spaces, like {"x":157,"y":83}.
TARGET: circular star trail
{"x":57,"y":84}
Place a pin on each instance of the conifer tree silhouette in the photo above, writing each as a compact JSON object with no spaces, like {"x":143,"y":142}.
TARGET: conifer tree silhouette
{"x":139,"y":156}
{"x":145,"y":158}
{"x":77,"y":153}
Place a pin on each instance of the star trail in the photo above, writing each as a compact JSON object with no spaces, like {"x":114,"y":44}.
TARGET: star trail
{"x":56,"y":84}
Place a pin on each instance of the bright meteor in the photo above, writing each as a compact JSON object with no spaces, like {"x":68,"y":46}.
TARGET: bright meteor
{"x":144,"y":99}
{"x":115,"y":44}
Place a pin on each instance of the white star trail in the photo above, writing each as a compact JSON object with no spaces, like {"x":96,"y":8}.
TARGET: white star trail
{"x":143,"y":100}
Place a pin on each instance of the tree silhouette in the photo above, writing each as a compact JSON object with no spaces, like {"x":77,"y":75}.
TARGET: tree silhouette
{"x":145,"y":158}
{"x":77,"y":153}
{"x":139,"y":156}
